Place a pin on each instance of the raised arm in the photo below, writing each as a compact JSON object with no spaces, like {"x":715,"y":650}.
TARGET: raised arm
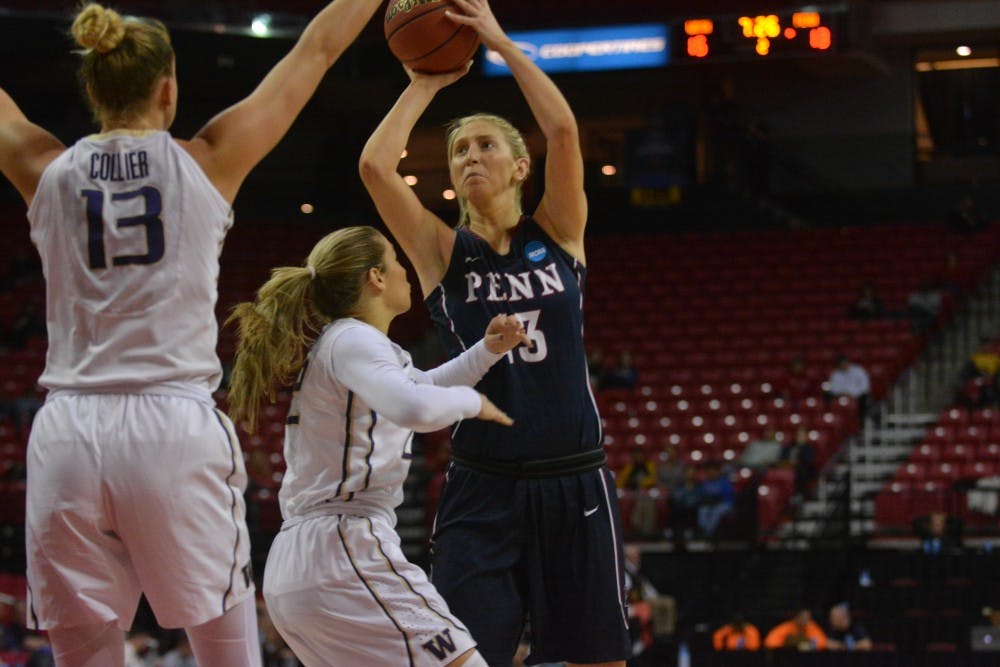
{"x":25,"y":148}
{"x":233,"y":142}
{"x":562,"y":211}
{"x":424,"y":237}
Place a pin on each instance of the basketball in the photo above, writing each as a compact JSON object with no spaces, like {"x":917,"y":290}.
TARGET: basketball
{"x":424,"y":39}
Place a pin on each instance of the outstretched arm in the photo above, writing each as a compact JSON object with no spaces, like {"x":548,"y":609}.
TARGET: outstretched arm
{"x":25,"y":149}
{"x":367,"y":365}
{"x":424,"y":237}
{"x":504,"y":333}
{"x":562,"y":211}
{"x":233,"y":142}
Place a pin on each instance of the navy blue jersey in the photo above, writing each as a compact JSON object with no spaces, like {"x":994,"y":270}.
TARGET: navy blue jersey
{"x":544,"y":388}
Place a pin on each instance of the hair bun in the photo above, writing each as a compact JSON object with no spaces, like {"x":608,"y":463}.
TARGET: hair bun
{"x":98,"y":28}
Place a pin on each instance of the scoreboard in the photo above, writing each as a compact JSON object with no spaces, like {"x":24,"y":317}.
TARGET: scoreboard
{"x":762,"y":35}
{"x":810,"y":31}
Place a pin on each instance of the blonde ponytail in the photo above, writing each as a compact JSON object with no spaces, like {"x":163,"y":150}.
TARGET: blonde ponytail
{"x":290,"y":309}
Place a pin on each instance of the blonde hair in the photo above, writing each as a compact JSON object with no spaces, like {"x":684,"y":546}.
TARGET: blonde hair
{"x":514,"y":139}
{"x":291,"y":308}
{"x":122,"y":59}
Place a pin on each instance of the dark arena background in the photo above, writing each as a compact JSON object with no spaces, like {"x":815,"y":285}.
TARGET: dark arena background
{"x":772,"y":186}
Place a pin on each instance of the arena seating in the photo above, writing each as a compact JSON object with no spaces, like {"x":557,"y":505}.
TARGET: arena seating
{"x":960,"y":449}
{"x":713,"y":321}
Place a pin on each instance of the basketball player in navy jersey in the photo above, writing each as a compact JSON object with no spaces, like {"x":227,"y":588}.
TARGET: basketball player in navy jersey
{"x":528,"y":524}
{"x":136,"y":481}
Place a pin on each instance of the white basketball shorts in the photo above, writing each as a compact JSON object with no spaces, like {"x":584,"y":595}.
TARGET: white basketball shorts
{"x":341,"y":592}
{"x":131,"y":493}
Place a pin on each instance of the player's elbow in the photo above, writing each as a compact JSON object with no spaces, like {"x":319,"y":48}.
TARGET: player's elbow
{"x":414,"y":414}
{"x":564,"y":131}
{"x":373,"y":170}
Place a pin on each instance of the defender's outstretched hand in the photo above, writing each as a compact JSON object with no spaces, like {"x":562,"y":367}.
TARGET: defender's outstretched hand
{"x":505,"y":332}
{"x":492,"y":413}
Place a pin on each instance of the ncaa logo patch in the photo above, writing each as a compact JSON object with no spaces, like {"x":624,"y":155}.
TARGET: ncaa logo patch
{"x":536,"y":251}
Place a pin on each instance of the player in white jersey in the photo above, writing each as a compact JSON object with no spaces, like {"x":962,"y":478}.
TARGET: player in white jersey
{"x":136,"y":481}
{"x":337,"y":585}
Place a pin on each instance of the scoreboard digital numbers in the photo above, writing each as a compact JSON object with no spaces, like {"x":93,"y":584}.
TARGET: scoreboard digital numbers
{"x":761,"y":36}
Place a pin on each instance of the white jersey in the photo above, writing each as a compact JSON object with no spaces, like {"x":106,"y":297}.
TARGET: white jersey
{"x":358,"y":400}
{"x":129,"y":229}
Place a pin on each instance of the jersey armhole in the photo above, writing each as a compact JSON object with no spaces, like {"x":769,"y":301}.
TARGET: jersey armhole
{"x":42,"y":181}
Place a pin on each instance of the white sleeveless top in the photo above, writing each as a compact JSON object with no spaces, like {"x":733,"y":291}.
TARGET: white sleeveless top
{"x":129,"y":229}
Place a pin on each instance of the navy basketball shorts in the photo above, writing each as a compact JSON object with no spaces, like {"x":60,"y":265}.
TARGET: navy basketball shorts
{"x":547,"y":551}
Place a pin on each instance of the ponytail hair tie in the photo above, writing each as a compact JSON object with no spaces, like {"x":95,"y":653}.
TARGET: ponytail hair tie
{"x":312,"y":271}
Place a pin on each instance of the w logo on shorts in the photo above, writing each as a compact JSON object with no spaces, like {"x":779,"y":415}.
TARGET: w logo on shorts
{"x":441,"y":646}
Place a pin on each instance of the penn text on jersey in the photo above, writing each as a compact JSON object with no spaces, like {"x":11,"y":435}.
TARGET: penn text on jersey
{"x":514,"y":286}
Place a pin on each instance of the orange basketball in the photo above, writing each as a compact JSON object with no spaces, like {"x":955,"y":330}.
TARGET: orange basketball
{"x":424,"y":39}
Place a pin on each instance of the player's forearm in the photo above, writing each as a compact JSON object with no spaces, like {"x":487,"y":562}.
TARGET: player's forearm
{"x":383,"y":150}
{"x":548,"y":105}
{"x":336,"y":27}
{"x":466,"y":369}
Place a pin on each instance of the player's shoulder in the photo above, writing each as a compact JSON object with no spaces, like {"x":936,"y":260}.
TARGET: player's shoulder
{"x":350,"y":333}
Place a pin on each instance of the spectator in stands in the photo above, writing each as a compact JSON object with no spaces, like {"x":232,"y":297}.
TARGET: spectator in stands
{"x":965,"y":218}
{"x":639,"y":476}
{"x":844,"y":633}
{"x":39,"y":652}
{"x":595,"y":368}
{"x":939,"y":533}
{"x":868,"y":305}
{"x":737,"y":635}
{"x":623,"y":375}
{"x":179,"y":656}
{"x":979,"y":379}
{"x":684,"y":501}
{"x":923,"y":306}
{"x":762,"y":452}
{"x":661,"y":608}
{"x":717,"y":499}
{"x":640,"y":624}
{"x":670,"y":468}
{"x":11,"y":624}
{"x":849,"y":379}
{"x":985,"y":635}
{"x":794,"y":384}
{"x":800,"y":456}
{"x":639,"y":473}
{"x":799,"y":632}
{"x":140,"y":649}
{"x":634,"y":576}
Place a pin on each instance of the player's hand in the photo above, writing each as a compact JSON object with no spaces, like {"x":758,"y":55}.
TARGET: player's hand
{"x":477,"y":15}
{"x":492,"y":413}
{"x":505,"y":332}
{"x":437,"y":81}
